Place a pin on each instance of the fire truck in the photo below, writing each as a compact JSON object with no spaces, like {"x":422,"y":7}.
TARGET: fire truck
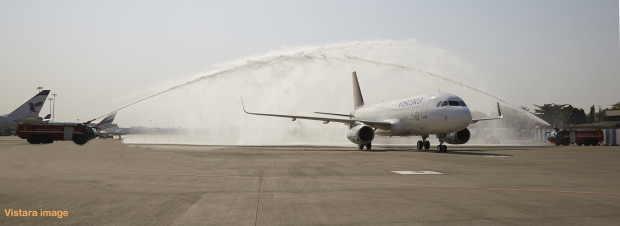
{"x":580,"y":137}
{"x":48,"y":133}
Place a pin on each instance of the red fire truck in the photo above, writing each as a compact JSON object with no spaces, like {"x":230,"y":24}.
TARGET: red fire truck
{"x":580,"y":137}
{"x":48,"y":133}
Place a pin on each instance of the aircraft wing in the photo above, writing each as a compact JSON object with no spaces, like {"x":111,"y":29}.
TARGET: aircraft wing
{"x":377,"y":124}
{"x":499,"y":112}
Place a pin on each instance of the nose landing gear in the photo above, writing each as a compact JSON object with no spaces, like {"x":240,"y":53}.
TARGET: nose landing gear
{"x":441,"y":148}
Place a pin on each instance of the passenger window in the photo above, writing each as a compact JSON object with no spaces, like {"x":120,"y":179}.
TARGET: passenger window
{"x":438,"y":104}
{"x":445,"y":103}
{"x":454,"y":103}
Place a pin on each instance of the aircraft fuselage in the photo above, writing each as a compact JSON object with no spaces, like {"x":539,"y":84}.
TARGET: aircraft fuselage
{"x":419,"y":115}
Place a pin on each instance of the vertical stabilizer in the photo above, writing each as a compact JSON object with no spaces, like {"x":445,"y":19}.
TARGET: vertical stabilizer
{"x":358,"y":100}
{"x":32,"y":107}
{"x":107,"y":121}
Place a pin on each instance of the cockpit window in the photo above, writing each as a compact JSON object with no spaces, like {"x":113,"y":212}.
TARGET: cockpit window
{"x":451,"y":103}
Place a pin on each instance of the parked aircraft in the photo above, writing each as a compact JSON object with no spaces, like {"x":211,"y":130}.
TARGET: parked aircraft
{"x":27,"y":112}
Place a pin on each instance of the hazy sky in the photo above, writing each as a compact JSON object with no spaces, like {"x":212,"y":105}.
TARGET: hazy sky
{"x":93,"y":52}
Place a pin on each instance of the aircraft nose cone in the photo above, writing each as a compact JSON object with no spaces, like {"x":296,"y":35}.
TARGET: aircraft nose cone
{"x":463,"y":117}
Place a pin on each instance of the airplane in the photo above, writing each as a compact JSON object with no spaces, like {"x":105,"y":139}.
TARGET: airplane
{"x":105,"y":122}
{"x":27,"y":112}
{"x":443,"y":114}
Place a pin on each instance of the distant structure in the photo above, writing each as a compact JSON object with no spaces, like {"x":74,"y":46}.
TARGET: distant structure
{"x":612,"y":115}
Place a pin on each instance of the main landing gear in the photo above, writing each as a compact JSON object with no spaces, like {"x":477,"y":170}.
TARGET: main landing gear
{"x":368,"y":146}
{"x":441,"y":148}
{"x":424,"y":143}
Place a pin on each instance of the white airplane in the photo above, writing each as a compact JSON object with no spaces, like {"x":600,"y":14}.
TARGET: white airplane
{"x":28,"y":112}
{"x":443,"y":114}
{"x":104,"y":123}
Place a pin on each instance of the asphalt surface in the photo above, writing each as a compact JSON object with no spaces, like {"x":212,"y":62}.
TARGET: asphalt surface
{"x":106,"y":182}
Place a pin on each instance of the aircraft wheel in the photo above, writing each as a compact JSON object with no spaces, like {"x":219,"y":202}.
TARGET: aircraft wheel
{"x":420,"y":145}
{"x":81,"y":140}
{"x":565,"y":142}
{"x":360,"y":146}
{"x":368,"y":146}
{"x":427,"y":145}
{"x":439,"y":148}
{"x":33,"y":139}
{"x":444,"y":148}
{"x":47,"y":140}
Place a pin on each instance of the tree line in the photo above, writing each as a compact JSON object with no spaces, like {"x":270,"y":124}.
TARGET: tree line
{"x":565,"y":114}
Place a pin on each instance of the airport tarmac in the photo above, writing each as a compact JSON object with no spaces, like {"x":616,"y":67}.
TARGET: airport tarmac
{"x":106,"y":182}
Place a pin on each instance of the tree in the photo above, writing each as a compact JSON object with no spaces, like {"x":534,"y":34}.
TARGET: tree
{"x":592,"y":113}
{"x":551,"y":113}
{"x":615,"y":106}
{"x":561,"y":114}
{"x":574,"y":115}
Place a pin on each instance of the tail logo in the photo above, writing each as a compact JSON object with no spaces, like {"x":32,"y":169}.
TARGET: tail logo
{"x":33,"y":106}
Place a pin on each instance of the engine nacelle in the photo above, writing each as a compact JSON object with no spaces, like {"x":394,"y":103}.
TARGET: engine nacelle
{"x":361,"y":134}
{"x":460,"y":137}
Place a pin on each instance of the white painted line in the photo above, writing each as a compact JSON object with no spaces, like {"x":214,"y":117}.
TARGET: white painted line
{"x":497,"y":156}
{"x":416,"y":172}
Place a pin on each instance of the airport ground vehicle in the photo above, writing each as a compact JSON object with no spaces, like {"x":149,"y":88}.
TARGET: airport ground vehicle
{"x":48,"y":133}
{"x":580,"y":137}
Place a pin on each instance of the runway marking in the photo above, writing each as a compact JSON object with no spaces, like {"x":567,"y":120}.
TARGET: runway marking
{"x":416,"y":172}
{"x":497,"y":156}
{"x":356,"y":182}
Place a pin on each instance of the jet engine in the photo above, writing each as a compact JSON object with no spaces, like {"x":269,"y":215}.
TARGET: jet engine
{"x":362,"y":134}
{"x":460,"y":137}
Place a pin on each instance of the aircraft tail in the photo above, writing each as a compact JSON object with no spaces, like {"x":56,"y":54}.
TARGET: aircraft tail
{"x":32,"y":107}
{"x":358,"y":100}
{"x":106,"y":121}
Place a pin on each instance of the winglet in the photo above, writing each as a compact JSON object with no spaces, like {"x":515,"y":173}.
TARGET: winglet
{"x":243,"y":106}
{"x":499,"y":111}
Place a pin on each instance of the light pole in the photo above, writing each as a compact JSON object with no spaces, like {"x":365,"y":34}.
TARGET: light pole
{"x":54,"y":107}
{"x":50,"y":99}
